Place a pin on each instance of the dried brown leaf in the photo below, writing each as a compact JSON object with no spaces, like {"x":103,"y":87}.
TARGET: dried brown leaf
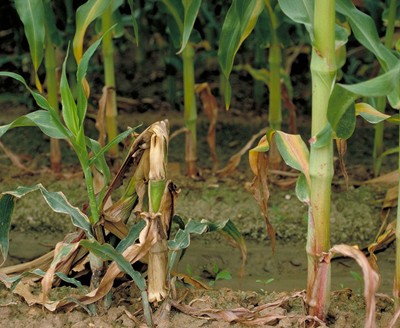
{"x":14,"y":159}
{"x":265,"y":314}
{"x":101,"y":115}
{"x":371,"y":278}
{"x":210,"y":107}
{"x":391,"y":197}
{"x":341,"y":145}
{"x":389,"y":178}
{"x":189,"y":280}
{"x":395,"y":318}
{"x":62,"y":253}
{"x":235,"y":159}
{"x":259,"y":187}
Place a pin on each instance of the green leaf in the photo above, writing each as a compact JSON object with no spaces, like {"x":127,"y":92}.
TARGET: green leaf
{"x":6,"y":210}
{"x":395,"y":119}
{"x":379,"y":86}
{"x":50,"y":23}
{"x":80,"y":76}
{"x":85,"y":15}
{"x":370,"y":114}
{"x":113,"y":142}
{"x":59,"y":204}
{"x":69,"y":109}
{"x":347,"y":124}
{"x":31,"y":13}
{"x":364,"y":30}
{"x":301,"y":12}
{"x":390,"y":151}
{"x":191,"y":8}
{"x":40,"y":118}
{"x":100,"y":162}
{"x":132,"y":236}
{"x":69,"y":280}
{"x":42,"y":103}
{"x":108,"y":253}
{"x":294,"y":152}
{"x":302,"y":189}
{"x":239,"y":22}
{"x":223,"y":275}
{"x":322,"y":138}
{"x":175,"y":8}
{"x":134,"y":22}
{"x":40,"y":100}
{"x":260,"y":74}
{"x":343,"y":96}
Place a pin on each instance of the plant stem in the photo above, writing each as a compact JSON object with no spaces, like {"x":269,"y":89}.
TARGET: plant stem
{"x":396,"y":287}
{"x":323,"y":72}
{"x":190,"y":113}
{"x":52,"y":98}
{"x":109,"y":75}
{"x":381,"y":101}
{"x":275,"y":98}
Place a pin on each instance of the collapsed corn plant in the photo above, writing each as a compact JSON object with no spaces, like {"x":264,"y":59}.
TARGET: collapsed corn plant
{"x":333,"y":117}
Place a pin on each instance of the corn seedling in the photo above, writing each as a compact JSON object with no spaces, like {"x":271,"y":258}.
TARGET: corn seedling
{"x":333,"y":116}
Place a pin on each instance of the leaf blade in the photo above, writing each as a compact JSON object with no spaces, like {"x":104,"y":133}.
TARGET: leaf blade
{"x":31,"y":13}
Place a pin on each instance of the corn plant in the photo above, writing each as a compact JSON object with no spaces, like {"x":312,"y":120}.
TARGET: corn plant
{"x":41,"y":33}
{"x":234,"y":34}
{"x":91,"y":157}
{"x":333,"y":117}
{"x":184,"y":14}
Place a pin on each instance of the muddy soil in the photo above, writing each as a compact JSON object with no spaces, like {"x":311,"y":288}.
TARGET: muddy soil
{"x":356,"y":218}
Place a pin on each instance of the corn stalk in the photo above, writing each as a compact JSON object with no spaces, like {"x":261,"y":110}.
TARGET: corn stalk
{"x":109,"y":76}
{"x":323,"y":73}
{"x":52,"y":97}
{"x":190,"y":111}
{"x":275,"y":97}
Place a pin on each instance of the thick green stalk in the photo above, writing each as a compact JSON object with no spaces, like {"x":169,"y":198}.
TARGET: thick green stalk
{"x":275,"y":97}
{"x":190,"y":114}
{"x":381,"y":102}
{"x":323,"y":72}
{"x":396,"y":287}
{"x":275,"y":63}
{"x":52,"y":98}
{"x":109,"y":76}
